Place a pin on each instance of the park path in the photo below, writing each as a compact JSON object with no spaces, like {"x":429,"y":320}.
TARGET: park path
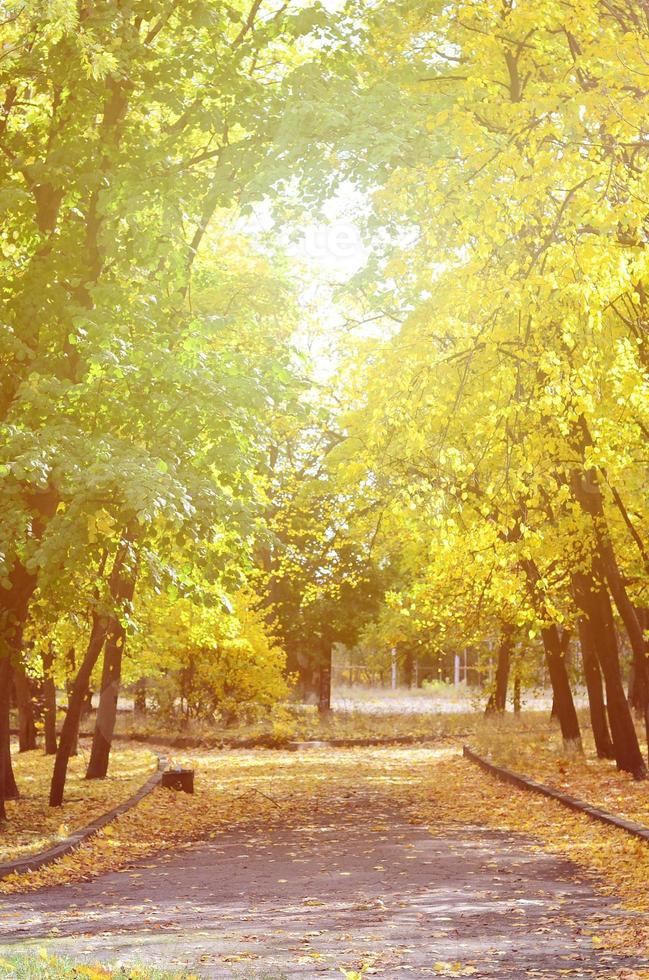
{"x":361,"y":884}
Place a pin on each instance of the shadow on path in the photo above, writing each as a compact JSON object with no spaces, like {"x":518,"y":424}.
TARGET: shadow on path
{"x":303,"y":901}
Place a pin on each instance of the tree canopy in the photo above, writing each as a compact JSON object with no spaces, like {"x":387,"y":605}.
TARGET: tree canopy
{"x":183,"y":497}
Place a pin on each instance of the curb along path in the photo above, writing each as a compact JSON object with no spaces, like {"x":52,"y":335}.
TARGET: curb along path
{"x":34,"y":861}
{"x":507,"y":776}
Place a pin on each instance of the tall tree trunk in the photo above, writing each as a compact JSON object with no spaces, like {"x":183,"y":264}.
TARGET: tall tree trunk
{"x":8,"y":788}
{"x":107,"y":709}
{"x":593,"y":678}
{"x":639,"y":680}
{"x":634,"y":630}
{"x":587,"y":492}
{"x":517,"y":693}
{"x":408,"y":666}
{"x":5,"y":691}
{"x":70,"y":728}
{"x":14,"y":609}
{"x":498,"y":698}
{"x":555,"y":645}
{"x":124,"y":588}
{"x":71,"y":673}
{"x":139,"y":704}
{"x":49,"y":702}
{"x":634,"y":694}
{"x":26,"y":722}
{"x":594,"y":601}
{"x":324,"y":699}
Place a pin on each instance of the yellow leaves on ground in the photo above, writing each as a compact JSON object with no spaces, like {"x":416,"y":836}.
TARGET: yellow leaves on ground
{"x":234,"y":788}
{"x":619,"y":863}
{"x":453,"y":970}
{"x":432,"y":786}
{"x":532,"y":746}
{"x":33,"y":825}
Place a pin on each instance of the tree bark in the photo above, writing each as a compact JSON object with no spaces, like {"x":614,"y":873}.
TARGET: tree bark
{"x":634,"y":630}
{"x":634,"y":694}
{"x":594,"y":686}
{"x":517,"y":694}
{"x":5,"y":682}
{"x":587,"y":492}
{"x":124,"y":588}
{"x":639,"y":680}
{"x":49,"y":703}
{"x":107,"y":709}
{"x":14,"y":608}
{"x":555,"y":645}
{"x":68,"y":736}
{"x":70,"y":729}
{"x":594,"y":601}
{"x":8,"y":788}
{"x":324,"y":698}
{"x":408,"y":666}
{"x":140,"y":697}
{"x":26,"y":722}
{"x":498,"y":698}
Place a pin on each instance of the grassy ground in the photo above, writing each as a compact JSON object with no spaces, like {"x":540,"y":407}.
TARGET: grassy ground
{"x":47,"y":967}
{"x":33,"y":826}
{"x":531,"y":745}
{"x":382,"y":714}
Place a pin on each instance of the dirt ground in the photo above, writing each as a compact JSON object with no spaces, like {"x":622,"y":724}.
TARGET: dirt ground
{"x":360,"y":886}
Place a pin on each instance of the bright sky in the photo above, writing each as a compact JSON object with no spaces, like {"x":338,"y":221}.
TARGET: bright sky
{"x":327,"y":253}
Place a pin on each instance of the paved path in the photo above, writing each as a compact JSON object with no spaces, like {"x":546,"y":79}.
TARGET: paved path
{"x":362,"y":886}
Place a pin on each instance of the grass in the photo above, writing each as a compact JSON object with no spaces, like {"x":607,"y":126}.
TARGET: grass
{"x":33,"y":825}
{"x":363,"y":714}
{"x":44,"y":966}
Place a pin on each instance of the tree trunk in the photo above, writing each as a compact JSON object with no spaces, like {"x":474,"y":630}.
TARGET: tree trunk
{"x":517,"y":694}
{"x":587,"y":492}
{"x":110,"y":678}
{"x":593,"y":600}
{"x":639,"y":679}
{"x":324,"y":698}
{"x":71,"y":673}
{"x":26,"y":722}
{"x":8,"y":788}
{"x":107,"y":709}
{"x":70,"y":729}
{"x":593,"y":678}
{"x":408,"y":666}
{"x":555,"y":648}
{"x":634,"y":630}
{"x":498,"y":697}
{"x":68,"y":736}
{"x":5,"y":682}
{"x":634,"y":694}
{"x":49,"y":703}
{"x":140,"y":697}
{"x":14,"y":608}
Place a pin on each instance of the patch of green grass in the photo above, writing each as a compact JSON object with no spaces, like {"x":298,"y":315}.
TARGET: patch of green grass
{"x":44,"y":966}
